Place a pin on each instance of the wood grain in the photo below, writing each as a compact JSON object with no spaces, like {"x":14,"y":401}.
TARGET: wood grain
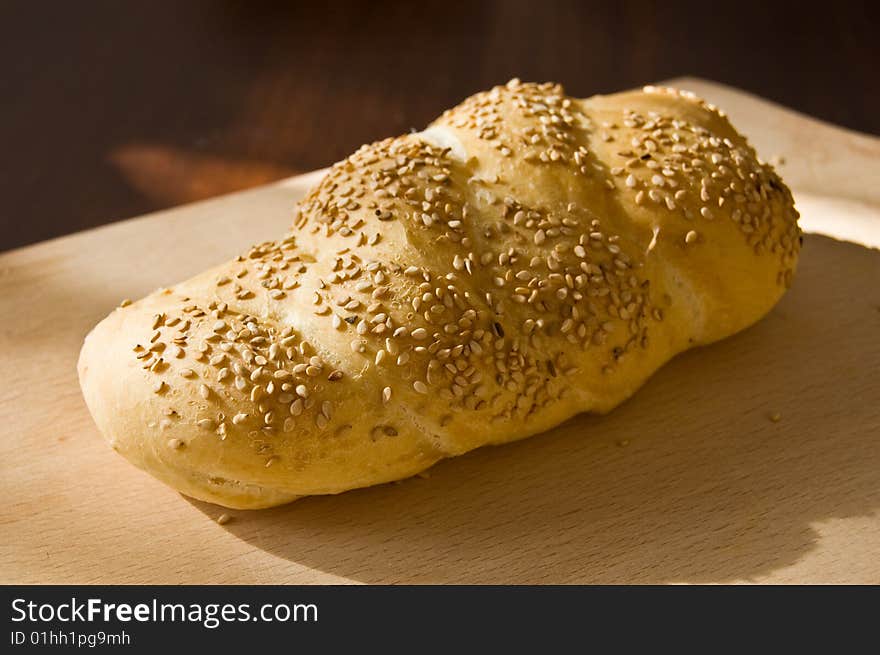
{"x":689,"y":481}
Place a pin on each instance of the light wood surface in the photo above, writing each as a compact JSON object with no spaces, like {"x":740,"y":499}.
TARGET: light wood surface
{"x":689,"y":481}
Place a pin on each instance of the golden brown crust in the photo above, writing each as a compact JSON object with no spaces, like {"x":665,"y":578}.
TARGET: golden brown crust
{"x":528,"y":257}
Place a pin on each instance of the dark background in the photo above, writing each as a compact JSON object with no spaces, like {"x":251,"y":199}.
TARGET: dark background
{"x":113,"y":109}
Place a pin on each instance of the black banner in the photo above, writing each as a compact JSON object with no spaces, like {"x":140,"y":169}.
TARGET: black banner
{"x":545,"y":619}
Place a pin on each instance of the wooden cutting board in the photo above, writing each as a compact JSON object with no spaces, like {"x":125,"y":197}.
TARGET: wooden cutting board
{"x":689,"y":481}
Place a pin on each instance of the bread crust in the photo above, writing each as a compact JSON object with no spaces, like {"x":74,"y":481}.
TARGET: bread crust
{"x":528,"y":257}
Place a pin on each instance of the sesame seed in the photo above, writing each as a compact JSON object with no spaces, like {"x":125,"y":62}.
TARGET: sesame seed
{"x":690,"y":237}
{"x":584,"y":287}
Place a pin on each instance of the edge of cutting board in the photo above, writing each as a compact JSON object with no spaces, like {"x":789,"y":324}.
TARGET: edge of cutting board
{"x":817,"y":156}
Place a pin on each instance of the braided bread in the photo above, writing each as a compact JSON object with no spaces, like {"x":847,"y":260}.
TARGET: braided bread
{"x":527,"y":257}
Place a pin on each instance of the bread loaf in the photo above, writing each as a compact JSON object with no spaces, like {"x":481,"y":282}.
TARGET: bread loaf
{"x":527,"y":257}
